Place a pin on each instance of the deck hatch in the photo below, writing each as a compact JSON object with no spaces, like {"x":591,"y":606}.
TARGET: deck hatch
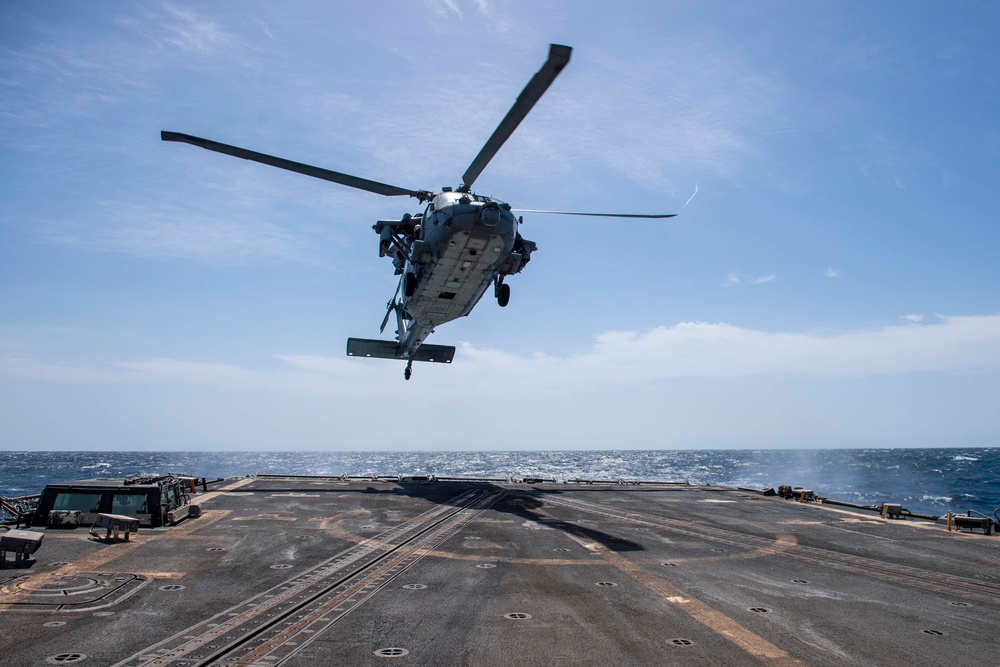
{"x":65,"y":658}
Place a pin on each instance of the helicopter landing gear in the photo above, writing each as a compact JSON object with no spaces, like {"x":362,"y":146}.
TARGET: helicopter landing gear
{"x":409,"y":284}
{"x":503,"y":294}
{"x":409,"y":370}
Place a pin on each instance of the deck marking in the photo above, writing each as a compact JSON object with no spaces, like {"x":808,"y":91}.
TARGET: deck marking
{"x":89,"y":592}
{"x":326,"y":588}
{"x":91,"y":563}
{"x":238,"y":484}
{"x":313,"y":623}
{"x":936,"y":582}
{"x":712,"y":619}
{"x":471,"y":557}
{"x":109,"y":552}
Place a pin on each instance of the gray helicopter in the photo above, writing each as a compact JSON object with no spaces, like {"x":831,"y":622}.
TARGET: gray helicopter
{"x":448,"y":255}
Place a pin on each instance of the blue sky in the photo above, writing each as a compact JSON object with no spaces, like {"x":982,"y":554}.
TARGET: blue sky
{"x":831,"y":280}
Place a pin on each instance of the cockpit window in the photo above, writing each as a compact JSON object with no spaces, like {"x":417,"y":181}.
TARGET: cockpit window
{"x":445,"y":199}
{"x":450,"y":198}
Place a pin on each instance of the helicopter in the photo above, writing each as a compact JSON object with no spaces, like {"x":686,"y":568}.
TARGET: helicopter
{"x":448,"y":255}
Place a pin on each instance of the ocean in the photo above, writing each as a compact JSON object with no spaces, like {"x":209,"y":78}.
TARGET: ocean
{"x":930,"y":481}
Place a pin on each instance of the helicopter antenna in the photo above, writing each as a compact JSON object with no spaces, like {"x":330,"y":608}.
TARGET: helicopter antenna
{"x":558,"y":59}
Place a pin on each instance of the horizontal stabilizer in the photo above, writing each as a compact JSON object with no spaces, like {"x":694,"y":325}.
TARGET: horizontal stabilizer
{"x":366,"y":347}
{"x":442,"y":354}
{"x":387,"y":349}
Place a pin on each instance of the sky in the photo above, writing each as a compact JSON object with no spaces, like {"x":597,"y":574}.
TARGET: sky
{"x":831,"y":279}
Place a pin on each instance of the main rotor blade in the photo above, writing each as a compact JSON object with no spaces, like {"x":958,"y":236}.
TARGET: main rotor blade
{"x":297,"y":167}
{"x":600,"y":215}
{"x":558,"y":59}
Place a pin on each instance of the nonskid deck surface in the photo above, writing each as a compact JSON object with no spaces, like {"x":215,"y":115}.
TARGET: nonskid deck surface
{"x":300,"y":571}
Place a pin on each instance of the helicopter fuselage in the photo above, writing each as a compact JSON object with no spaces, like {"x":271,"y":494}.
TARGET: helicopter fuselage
{"x":463,"y":244}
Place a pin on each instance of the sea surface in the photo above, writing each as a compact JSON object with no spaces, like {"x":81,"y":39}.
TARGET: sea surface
{"x":929,"y":481}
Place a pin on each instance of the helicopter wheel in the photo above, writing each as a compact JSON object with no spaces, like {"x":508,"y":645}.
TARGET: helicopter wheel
{"x":408,"y":372}
{"x":409,"y":284}
{"x":503,"y":297}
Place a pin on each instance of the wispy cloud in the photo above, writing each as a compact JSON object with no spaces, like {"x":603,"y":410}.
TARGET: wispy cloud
{"x":883,"y":163}
{"x":184,"y":30}
{"x":860,"y":54}
{"x":734,"y":279}
{"x":44,"y":85}
{"x":686,"y":350}
{"x":194,"y":372}
{"x":173,"y":232}
{"x":64,"y":75}
{"x":699,"y":349}
{"x":28,"y":369}
{"x":832,"y":272}
{"x":715,"y":114}
{"x":156,"y":371}
{"x":447,"y":8}
{"x":912,"y":318}
{"x":194,"y":33}
{"x":690,"y":350}
{"x":484,"y":7}
{"x":452,"y":8}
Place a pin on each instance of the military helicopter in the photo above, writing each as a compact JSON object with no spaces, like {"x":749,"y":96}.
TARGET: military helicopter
{"x":448,"y":255}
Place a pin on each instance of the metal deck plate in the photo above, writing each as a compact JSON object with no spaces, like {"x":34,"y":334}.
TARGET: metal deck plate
{"x":300,"y":571}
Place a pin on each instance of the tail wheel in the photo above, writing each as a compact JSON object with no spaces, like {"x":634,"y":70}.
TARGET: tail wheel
{"x":503,"y":296}
{"x":409,"y":284}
